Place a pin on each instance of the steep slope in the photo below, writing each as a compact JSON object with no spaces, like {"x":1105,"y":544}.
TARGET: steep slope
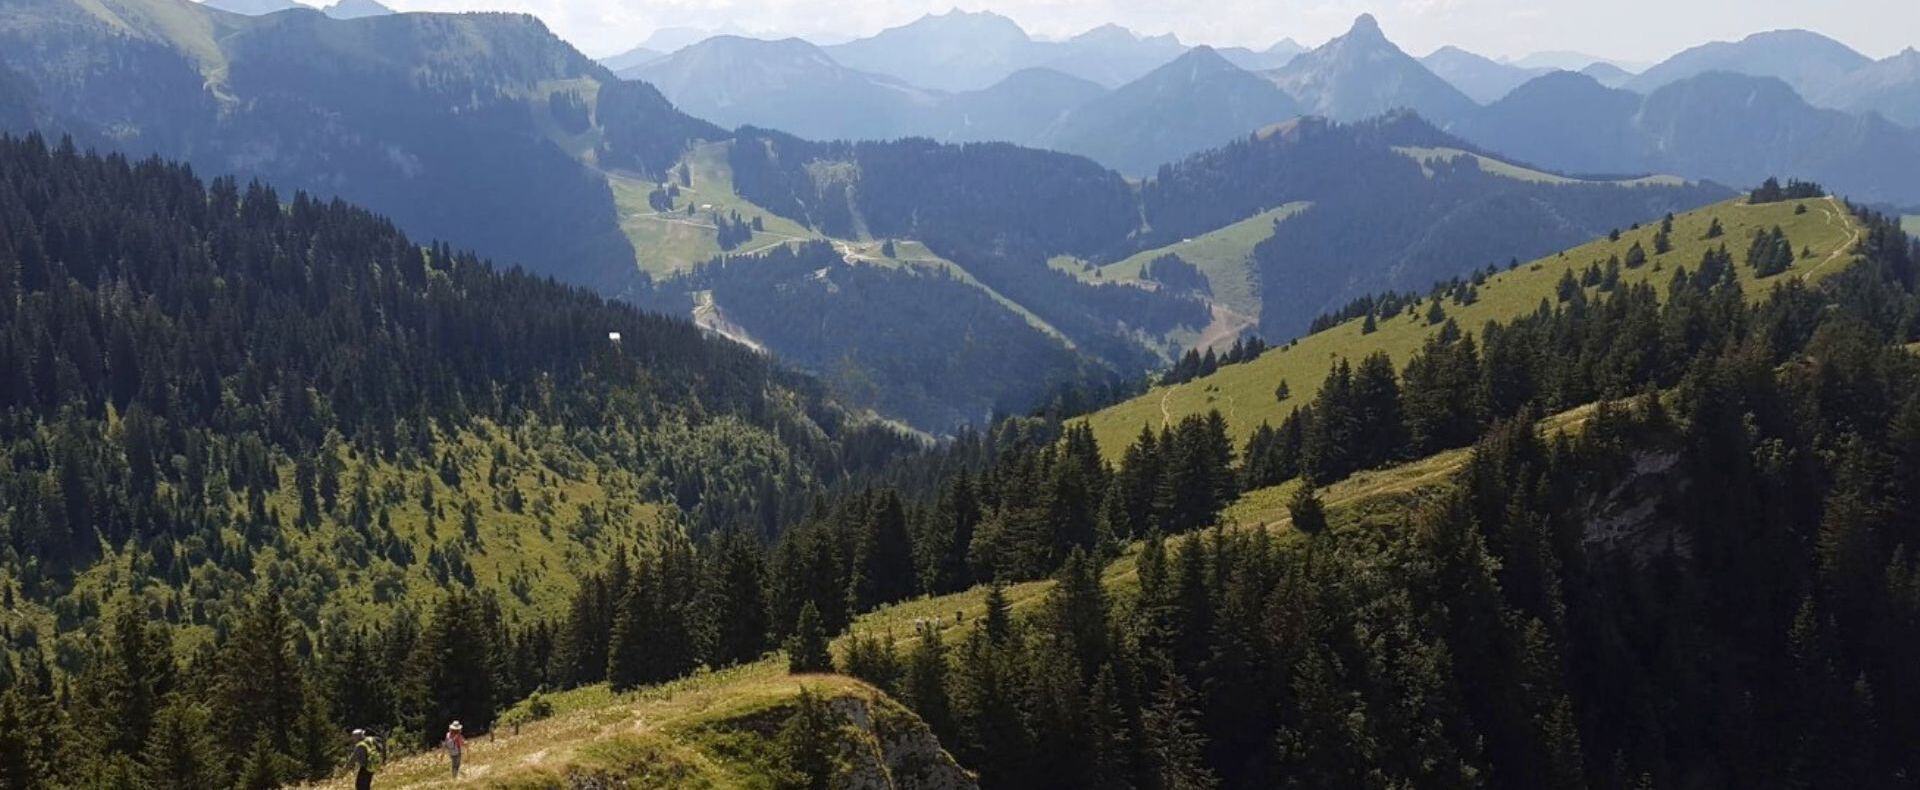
{"x":1193,"y":103}
{"x":1809,"y":62}
{"x":1890,"y":87}
{"x":1482,"y":79}
{"x":1245,"y":393}
{"x":1361,"y":75}
{"x":789,"y":85}
{"x":479,"y":127}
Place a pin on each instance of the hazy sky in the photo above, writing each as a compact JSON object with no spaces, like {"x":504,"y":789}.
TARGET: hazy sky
{"x":1634,"y":30}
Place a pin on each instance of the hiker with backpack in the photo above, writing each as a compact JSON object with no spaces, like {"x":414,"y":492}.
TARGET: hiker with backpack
{"x":456,"y":745}
{"x":368,"y":754}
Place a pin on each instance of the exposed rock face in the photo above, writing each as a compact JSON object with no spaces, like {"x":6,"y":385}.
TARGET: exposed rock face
{"x":1629,"y":518}
{"x":891,"y":749}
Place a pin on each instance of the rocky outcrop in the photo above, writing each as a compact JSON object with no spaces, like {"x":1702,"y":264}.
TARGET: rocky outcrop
{"x":1629,"y":518}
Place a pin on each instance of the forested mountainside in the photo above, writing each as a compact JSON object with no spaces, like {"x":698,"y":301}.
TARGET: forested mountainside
{"x":261,"y":527}
{"x":1381,"y":217}
{"x":267,"y":427}
{"x":477,"y":127}
{"x":923,"y":346}
{"x":1721,"y":545}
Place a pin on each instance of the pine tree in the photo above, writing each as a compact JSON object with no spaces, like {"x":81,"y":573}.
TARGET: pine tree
{"x":1308,"y":514}
{"x":738,"y":603}
{"x":630,"y":661}
{"x":455,"y":658}
{"x":180,"y":754}
{"x":807,"y":649}
{"x":810,"y":743}
{"x":925,"y":686}
{"x":1175,"y":746}
{"x":264,"y":768}
{"x":259,"y":693}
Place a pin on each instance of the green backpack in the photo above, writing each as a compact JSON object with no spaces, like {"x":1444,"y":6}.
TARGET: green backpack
{"x":376,"y":753}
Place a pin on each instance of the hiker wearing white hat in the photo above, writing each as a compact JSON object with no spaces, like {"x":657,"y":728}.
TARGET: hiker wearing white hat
{"x":456,"y":744}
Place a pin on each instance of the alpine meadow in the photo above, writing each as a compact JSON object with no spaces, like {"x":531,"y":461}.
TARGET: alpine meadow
{"x":399,"y":397}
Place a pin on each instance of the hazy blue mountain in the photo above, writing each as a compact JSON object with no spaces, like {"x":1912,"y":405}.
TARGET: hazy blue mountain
{"x":1890,"y":87}
{"x":1362,"y":75}
{"x":1608,"y":74}
{"x":1021,"y":107}
{"x":1564,"y":120}
{"x":632,"y":58}
{"x":1280,"y":54}
{"x":357,"y":9}
{"x":1809,"y":62}
{"x":1731,"y":128}
{"x":1110,"y":55}
{"x":955,"y":51}
{"x":789,"y":85}
{"x":1194,"y":103}
{"x":965,"y":51}
{"x":1562,"y":60}
{"x":1481,"y":78}
{"x":253,"y":7}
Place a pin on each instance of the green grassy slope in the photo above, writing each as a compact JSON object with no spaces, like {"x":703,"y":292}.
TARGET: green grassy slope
{"x":708,"y":731}
{"x":1245,"y":393}
{"x":1911,"y":223}
{"x":1426,"y":156}
{"x":673,"y":242}
{"x":1225,"y":256}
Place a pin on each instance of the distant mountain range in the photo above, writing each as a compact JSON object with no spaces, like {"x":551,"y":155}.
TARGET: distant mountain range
{"x":1731,"y":128}
{"x":1483,"y":79}
{"x":1584,"y":122}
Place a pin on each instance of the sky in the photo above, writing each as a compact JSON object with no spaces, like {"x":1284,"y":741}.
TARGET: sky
{"x":1642,"y":31}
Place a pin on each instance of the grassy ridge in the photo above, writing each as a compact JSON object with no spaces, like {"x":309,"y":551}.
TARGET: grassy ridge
{"x":1426,"y":156}
{"x":1245,"y":393}
{"x":1911,"y":223}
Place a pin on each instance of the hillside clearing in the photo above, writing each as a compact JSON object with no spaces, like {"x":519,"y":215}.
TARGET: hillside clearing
{"x":1225,"y":256}
{"x":1427,"y":156}
{"x":1245,"y":393}
{"x":668,"y":242}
